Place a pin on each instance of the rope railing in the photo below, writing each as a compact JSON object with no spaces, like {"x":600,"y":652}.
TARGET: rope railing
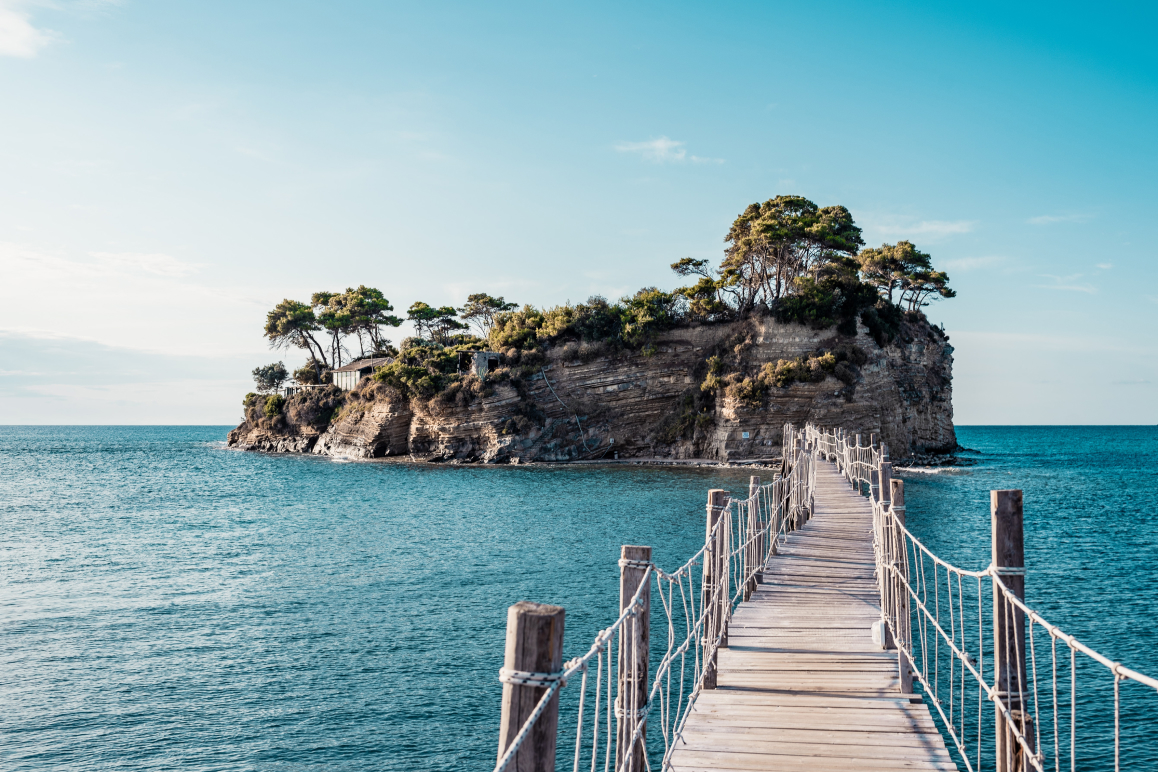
{"x":629,"y":715}
{"x":959,"y":631}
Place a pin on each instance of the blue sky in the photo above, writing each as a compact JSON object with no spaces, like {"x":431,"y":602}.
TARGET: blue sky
{"x":169,"y":171}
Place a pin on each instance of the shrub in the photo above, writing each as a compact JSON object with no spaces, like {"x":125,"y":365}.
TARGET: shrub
{"x":273,"y":405}
{"x":314,"y":407}
{"x":307,"y":376}
{"x":692,"y":412}
{"x":632,"y":322}
{"x":422,"y":371}
{"x":834,"y":300}
{"x":516,"y":329}
{"x":883,"y":321}
{"x":270,"y":377}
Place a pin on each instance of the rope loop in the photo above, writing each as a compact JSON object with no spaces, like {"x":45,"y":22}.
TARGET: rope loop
{"x":643,"y":565}
{"x":1007,"y":570}
{"x":539,"y":680}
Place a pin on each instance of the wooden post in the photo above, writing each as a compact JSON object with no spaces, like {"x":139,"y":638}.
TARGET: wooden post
{"x":857,"y":468}
{"x":886,"y":475}
{"x":534,"y":645}
{"x":713,"y":583}
{"x":634,"y":654}
{"x":1009,"y":627}
{"x":754,"y":552}
{"x":901,"y":595}
{"x":777,"y":512}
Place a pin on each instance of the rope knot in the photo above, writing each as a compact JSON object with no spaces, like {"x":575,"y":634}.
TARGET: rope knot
{"x":539,"y":680}
{"x":643,"y":565}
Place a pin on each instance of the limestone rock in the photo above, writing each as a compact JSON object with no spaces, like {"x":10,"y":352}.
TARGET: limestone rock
{"x":630,"y":402}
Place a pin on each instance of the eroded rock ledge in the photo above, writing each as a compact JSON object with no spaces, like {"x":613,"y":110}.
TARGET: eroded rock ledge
{"x":645,"y":404}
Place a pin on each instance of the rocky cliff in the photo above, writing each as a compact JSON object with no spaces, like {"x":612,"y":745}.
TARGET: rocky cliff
{"x":653,"y":402}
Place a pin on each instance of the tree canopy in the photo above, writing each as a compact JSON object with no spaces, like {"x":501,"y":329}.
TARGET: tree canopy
{"x":788,"y":257}
{"x":805,"y":263}
{"x":356,"y":314}
{"x":434,"y":324}
{"x":481,"y":308}
{"x":270,"y":377}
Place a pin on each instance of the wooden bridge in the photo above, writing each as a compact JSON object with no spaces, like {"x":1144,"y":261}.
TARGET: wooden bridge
{"x":812,"y":631}
{"x":802,"y":684}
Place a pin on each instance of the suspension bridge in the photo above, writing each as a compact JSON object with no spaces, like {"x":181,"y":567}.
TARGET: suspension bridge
{"x":814,"y":631}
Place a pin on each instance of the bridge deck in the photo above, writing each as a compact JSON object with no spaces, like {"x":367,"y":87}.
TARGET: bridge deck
{"x":802,"y":686}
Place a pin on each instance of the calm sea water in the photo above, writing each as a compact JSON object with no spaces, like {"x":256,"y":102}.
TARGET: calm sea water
{"x":169,"y":604}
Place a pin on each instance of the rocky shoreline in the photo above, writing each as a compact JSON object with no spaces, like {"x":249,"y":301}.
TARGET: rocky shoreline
{"x":648,"y":404}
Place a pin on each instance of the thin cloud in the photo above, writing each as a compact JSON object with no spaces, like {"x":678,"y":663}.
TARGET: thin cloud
{"x":1104,"y":266}
{"x":17,"y":35}
{"x":156,"y":264}
{"x":664,"y":150}
{"x":964,"y":264}
{"x":1050,"y":219}
{"x":1068,"y":284}
{"x":931,"y":229}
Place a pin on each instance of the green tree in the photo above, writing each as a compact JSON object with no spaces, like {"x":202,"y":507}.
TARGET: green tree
{"x":270,"y":377}
{"x":480,"y":310}
{"x":368,"y":312}
{"x":922,"y":286}
{"x":292,"y":325}
{"x":770,"y":245}
{"x":334,"y":320}
{"x":434,"y":324}
{"x":705,"y":298}
{"x":903,"y":268}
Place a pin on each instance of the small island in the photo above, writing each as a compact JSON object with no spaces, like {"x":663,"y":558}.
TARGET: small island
{"x":798,"y":323}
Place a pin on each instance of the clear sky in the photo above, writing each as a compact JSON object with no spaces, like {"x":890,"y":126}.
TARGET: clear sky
{"x":170,"y":170}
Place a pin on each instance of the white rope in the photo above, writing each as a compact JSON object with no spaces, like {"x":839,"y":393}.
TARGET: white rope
{"x":525,"y":678}
{"x":902,"y":561}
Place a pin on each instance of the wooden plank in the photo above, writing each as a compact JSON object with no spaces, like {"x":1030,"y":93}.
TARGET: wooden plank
{"x":801,"y":685}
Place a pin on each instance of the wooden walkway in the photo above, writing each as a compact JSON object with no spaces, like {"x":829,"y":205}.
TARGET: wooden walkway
{"x":802,"y":686}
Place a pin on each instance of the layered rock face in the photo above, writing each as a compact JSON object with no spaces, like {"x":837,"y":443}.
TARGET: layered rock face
{"x":650,"y":403}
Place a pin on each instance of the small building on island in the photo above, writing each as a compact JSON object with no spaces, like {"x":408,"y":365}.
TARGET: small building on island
{"x":347,"y":377}
{"x":478,"y":362}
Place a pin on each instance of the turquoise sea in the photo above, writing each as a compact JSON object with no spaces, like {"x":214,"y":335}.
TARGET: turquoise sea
{"x":166,"y":603}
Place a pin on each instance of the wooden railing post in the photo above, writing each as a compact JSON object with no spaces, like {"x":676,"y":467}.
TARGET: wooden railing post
{"x":777,"y":510}
{"x":857,"y":469}
{"x":901,"y":595}
{"x":753,"y":551}
{"x":1009,"y":627}
{"x":634,"y":655}
{"x":534,"y":645}
{"x":713,"y":585}
{"x":886,"y":475}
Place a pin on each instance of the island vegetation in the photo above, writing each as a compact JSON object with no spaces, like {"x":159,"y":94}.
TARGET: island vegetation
{"x":787,"y":258}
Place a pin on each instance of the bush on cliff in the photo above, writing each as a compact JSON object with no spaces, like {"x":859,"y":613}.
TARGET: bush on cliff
{"x":314,"y":407}
{"x":273,"y":405}
{"x":630,"y":323}
{"x":842,"y":362}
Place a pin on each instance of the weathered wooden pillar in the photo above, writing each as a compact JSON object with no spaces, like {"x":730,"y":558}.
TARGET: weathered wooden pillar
{"x":754,"y":551}
{"x":1009,"y":627}
{"x":886,"y":475}
{"x":857,"y":468}
{"x":534,"y":645}
{"x":634,"y":653}
{"x":901,"y":595}
{"x":712,"y":589}
{"x":777,"y":512}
